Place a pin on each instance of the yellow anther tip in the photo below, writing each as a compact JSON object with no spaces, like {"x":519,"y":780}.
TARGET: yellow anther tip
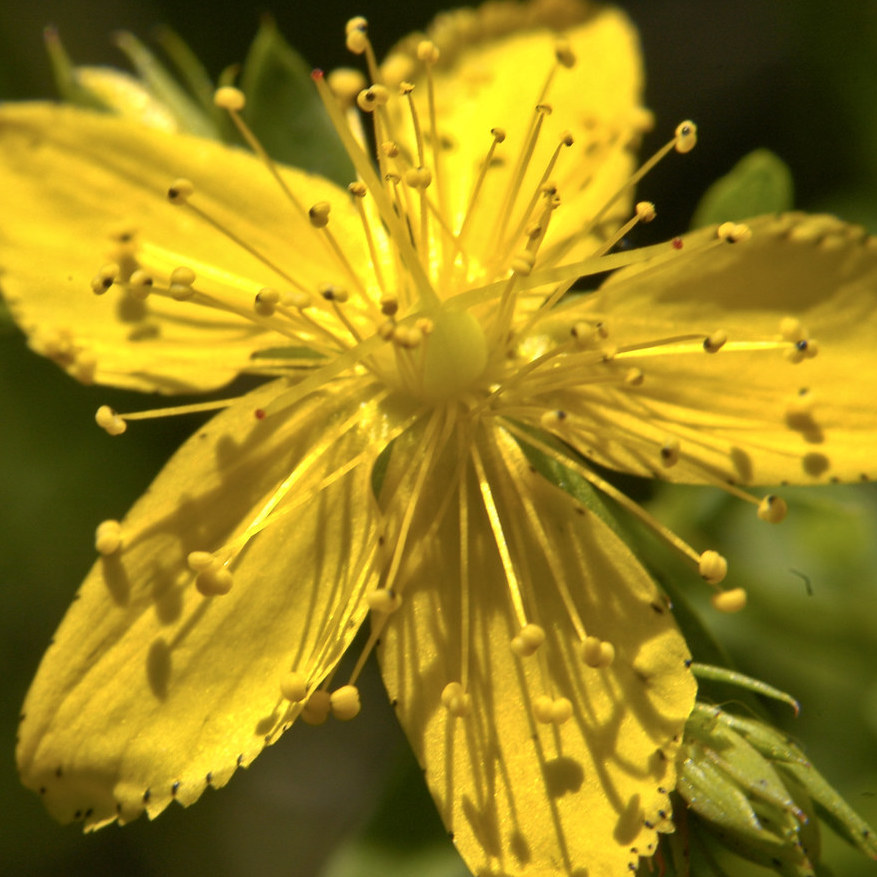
{"x":229,"y":98}
{"x":712,"y":567}
{"x":317,"y":708}
{"x":294,"y":686}
{"x":180,"y":191}
{"x":730,"y":601}
{"x":214,"y":581}
{"x":645,"y":211}
{"x":427,"y":52}
{"x":455,"y":700}
{"x":108,"y":537}
{"x":686,"y":136}
{"x":346,"y":83}
{"x":383,"y":600}
{"x":108,"y":420}
{"x":564,"y":54}
{"x":772,"y":509}
{"x":528,"y":640}
{"x":345,"y":702}
{"x":714,"y":342}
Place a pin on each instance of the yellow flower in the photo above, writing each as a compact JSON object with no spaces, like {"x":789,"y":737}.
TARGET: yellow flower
{"x":423,"y":349}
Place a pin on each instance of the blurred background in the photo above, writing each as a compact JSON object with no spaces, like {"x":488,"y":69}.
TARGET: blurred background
{"x":755,"y":73}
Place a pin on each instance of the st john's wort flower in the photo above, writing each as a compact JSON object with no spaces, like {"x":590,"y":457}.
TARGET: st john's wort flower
{"x":420,"y":336}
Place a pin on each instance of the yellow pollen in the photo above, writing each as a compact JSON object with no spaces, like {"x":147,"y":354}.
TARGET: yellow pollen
{"x":180,"y":191}
{"x":670,"y":453}
{"x":294,"y":686}
{"x":528,"y":640}
{"x":229,"y":98}
{"x":686,"y":136}
{"x":346,"y":83}
{"x":455,"y":700}
{"x":384,"y":600}
{"x":714,"y":342}
{"x":345,"y":703}
{"x":107,"y":419}
{"x":712,"y":567}
{"x":772,"y":509}
{"x":730,"y":601}
{"x":427,"y":52}
{"x":317,"y":708}
{"x":597,"y":653}
{"x":319,"y":214}
{"x":105,"y":278}
{"x":108,"y":537}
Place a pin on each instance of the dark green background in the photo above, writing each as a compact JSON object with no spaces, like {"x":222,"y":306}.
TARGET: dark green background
{"x":797,"y":77}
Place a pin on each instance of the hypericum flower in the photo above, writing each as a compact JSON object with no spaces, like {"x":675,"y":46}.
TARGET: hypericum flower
{"x":430,"y":370}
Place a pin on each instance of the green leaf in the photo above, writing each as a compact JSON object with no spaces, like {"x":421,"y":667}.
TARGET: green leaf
{"x":285,"y":112}
{"x":759,"y":183}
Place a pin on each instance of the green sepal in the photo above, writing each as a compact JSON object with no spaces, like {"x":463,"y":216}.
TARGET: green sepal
{"x":67,"y":82}
{"x":191,"y":117}
{"x":759,"y":183}
{"x":285,"y":112}
{"x":732,"y":677}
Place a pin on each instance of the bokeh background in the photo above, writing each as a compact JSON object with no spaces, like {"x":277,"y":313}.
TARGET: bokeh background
{"x":339,"y":800}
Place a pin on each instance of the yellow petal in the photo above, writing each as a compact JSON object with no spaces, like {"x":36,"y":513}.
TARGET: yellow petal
{"x":491,"y":73}
{"x":521,"y":796}
{"x":76,"y":177}
{"x":150,"y":691}
{"x":746,"y":413}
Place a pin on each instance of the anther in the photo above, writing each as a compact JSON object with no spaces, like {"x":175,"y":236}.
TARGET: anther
{"x":564,"y":54}
{"x":686,"y":136}
{"x":715,"y":341}
{"x":427,"y":52}
{"x":140,"y":284}
{"x":455,"y":700}
{"x":390,"y":149}
{"x":550,"y":420}
{"x":266,"y":301}
{"x":383,"y":600}
{"x":597,"y":653}
{"x":214,"y":581}
{"x":730,"y":601}
{"x":418,"y":178}
{"x":522,"y":264}
{"x":297,"y":299}
{"x":319,"y":214}
{"x":712,"y":567}
{"x":634,"y":377}
{"x":369,"y":99}
{"x":389,"y":305}
{"x":345,"y":702}
{"x":346,"y":84}
{"x":733,"y":232}
{"x":180,"y":286}
{"x":357,"y":23}
{"x":317,"y":708}
{"x":791,"y":329}
{"x":229,"y":98}
{"x":356,"y":41}
{"x":180,"y":191}
{"x":499,"y":134}
{"x":104,"y":278}
{"x":528,"y":640}
{"x":358,"y":189}
{"x":645,"y":211}
{"x":294,"y":686}
{"x":772,"y":509}
{"x":107,"y":419}
{"x":337,"y":294}
{"x":552,"y":711}
{"x":108,"y":537}
{"x":198,"y":560}
{"x":670,"y":453}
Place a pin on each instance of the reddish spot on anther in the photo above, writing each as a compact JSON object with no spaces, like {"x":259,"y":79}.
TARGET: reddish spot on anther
{"x":260,"y":413}
{"x":677,"y":243}
{"x":317,"y":74}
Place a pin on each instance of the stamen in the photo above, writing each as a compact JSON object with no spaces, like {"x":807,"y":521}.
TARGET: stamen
{"x":105,"y":278}
{"x":712,"y":567}
{"x":552,"y":711}
{"x":499,"y":136}
{"x":597,"y":653}
{"x":294,"y":686}
{"x":317,"y":708}
{"x":772,"y":509}
{"x":730,"y":601}
{"x":345,"y":702}
{"x":107,"y":419}
{"x":528,"y":640}
{"x":384,"y":600}
{"x":455,"y":700}
{"x":108,"y":537}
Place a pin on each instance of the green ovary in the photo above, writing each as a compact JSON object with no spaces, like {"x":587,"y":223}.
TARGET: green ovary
{"x":455,"y":357}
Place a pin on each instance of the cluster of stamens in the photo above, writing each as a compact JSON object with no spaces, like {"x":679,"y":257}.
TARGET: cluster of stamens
{"x":398,"y":303}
